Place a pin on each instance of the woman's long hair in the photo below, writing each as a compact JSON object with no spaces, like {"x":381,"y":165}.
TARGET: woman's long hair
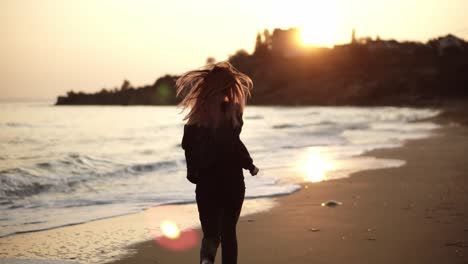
{"x":203,"y":91}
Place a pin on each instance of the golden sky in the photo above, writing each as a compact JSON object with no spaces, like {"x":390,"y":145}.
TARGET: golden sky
{"x":51,"y":46}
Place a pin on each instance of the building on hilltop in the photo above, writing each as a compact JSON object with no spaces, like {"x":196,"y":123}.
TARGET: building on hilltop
{"x":353,"y":36}
{"x":285,"y":43}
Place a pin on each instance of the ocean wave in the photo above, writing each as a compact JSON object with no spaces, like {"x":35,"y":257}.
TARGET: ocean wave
{"x":149,"y":167}
{"x":22,"y":141}
{"x":326,"y":123}
{"x":16,"y":124}
{"x":283,"y":126}
{"x":27,"y":125}
{"x":254,"y":117}
{"x":147,"y":152}
{"x":81,"y":203}
{"x":324,"y":126}
{"x":22,"y":182}
{"x":64,"y":175}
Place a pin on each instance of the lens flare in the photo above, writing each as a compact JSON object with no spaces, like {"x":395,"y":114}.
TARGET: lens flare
{"x":170,"y":229}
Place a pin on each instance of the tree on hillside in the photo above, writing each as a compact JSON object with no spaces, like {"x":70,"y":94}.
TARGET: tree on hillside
{"x":125,"y":85}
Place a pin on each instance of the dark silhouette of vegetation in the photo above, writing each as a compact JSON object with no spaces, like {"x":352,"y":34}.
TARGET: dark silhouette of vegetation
{"x":364,"y":72}
{"x":160,"y":93}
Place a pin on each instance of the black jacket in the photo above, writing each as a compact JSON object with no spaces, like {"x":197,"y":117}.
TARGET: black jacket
{"x":215,"y":155}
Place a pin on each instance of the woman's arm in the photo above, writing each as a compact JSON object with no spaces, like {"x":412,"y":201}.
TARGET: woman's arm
{"x":190,"y":155}
{"x":244,"y":155}
{"x":246,"y":160}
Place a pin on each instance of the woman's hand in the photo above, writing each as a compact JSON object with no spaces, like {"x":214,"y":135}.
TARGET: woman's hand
{"x":254,"y":170}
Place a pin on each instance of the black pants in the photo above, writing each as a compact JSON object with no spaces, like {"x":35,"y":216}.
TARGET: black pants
{"x":219,"y":210}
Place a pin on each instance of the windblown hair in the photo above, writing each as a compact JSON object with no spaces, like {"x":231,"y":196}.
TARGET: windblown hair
{"x":203,"y":91}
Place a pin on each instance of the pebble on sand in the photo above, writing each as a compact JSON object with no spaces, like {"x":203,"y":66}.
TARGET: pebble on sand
{"x":331,"y":203}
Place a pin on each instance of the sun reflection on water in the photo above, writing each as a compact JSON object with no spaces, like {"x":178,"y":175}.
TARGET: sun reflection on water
{"x":316,"y":166}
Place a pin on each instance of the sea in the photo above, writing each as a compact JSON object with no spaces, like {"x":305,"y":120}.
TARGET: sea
{"x":65,"y":165}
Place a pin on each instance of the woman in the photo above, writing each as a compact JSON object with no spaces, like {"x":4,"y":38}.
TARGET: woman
{"x":215,"y":154}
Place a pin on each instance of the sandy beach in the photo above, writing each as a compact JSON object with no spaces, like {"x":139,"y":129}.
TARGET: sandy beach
{"x":416,"y":213}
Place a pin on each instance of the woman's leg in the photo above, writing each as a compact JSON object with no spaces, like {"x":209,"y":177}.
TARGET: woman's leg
{"x":232,"y":205}
{"x":209,"y":213}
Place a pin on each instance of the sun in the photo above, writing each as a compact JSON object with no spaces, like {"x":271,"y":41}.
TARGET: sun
{"x":316,"y":36}
{"x":318,"y":23}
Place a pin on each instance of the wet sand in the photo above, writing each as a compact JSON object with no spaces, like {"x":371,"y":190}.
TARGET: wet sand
{"x":417,"y":213}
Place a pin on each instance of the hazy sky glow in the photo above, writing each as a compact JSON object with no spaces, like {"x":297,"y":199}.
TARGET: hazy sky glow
{"x":51,"y":46}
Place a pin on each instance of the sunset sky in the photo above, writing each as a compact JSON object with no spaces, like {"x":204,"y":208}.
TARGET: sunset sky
{"x":51,"y":46}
